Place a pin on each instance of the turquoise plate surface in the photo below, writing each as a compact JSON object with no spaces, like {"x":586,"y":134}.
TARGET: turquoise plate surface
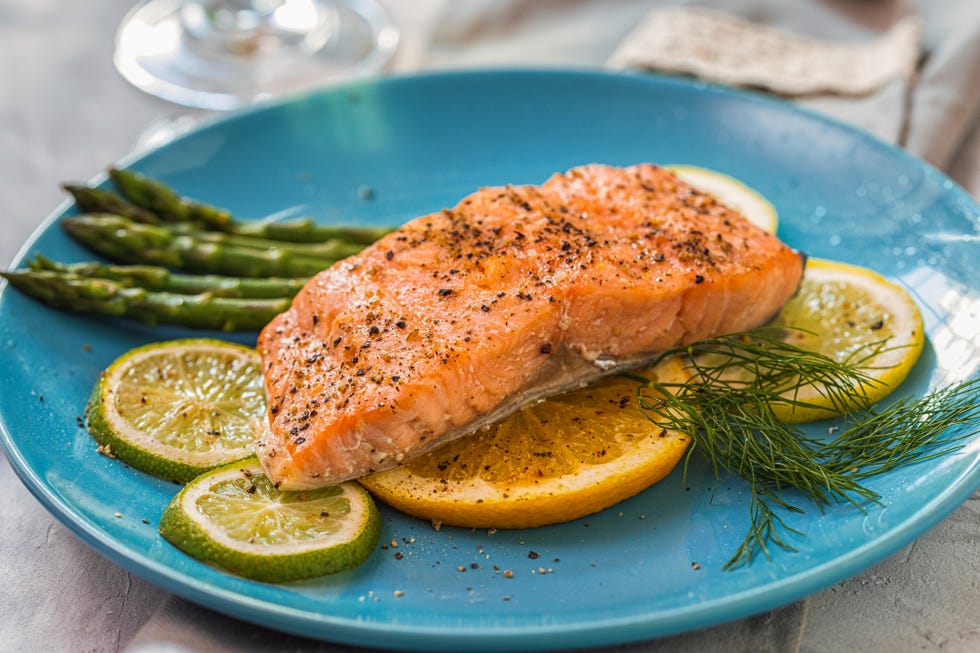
{"x":419,"y":144}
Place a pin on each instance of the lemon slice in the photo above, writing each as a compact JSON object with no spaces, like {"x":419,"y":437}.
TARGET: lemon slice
{"x":235,"y":518}
{"x":731,"y":192}
{"x":850,"y":313}
{"x":553,"y":461}
{"x":175,"y":409}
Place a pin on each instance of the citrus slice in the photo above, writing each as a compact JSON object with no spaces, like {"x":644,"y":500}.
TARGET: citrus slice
{"x":731,"y":192}
{"x":234,"y":518}
{"x":554,"y":461}
{"x":175,"y":409}
{"x":851,"y":314}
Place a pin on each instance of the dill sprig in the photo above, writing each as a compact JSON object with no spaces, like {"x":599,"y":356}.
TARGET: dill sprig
{"x":727,"y":407}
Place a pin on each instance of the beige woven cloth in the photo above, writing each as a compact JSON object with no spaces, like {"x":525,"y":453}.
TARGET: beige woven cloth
{"x":720,"y":47}
{"x":866,"y":82}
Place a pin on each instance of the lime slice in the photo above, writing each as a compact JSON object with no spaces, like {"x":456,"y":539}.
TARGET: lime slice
{"x":175,"y":409}
{"x":731,"y":192}
{"x":852,"y":314}
{"x":234,"y":518}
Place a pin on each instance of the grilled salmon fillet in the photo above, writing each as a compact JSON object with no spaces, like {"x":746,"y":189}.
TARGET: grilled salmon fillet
{"x":519,"y":292}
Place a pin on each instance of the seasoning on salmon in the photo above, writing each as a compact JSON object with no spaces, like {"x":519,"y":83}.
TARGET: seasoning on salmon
{"x":518,"y":292}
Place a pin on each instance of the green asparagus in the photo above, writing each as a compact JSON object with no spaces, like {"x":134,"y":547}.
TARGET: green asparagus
{"x":98,"y":200}
{"x":162,"y":200}
{"x":160,"y":279}
{"x":331,"y":249}
{"x":244,"y":272}
{"x":169,"y":206}
{"x":304,"y":230}
{"x":102,"y":297}
{"x":125,"y":241}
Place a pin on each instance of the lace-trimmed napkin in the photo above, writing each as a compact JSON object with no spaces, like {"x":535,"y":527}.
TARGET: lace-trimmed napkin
{"x":865,"y":83}
{"x":723,"y":48}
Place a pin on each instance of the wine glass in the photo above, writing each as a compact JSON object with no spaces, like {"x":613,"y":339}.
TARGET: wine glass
{"x":226,"y":54}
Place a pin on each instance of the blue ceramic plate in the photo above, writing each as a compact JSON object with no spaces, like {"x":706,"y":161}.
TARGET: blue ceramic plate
{"x":420,"y":144}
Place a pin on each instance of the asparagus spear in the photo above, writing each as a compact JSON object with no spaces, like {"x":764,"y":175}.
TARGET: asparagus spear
{"x":304,"y":230}
{"x":125,"y":241}
{"x":160,"y":199}
{"x":98,"y":200}
{"x":160,"y":279}
{"x":102,"y":297}
{"x":333,"y":249}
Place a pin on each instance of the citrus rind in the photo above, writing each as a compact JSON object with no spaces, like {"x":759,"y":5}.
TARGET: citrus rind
{"x":731,"y":192}
{"x":234,"y":518}
{"x":554,"y":461}
{"x":175,"y":409}
{"x":848,"y":312}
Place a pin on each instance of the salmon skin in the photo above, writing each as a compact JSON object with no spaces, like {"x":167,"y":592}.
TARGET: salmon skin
{"x":519,"y":292}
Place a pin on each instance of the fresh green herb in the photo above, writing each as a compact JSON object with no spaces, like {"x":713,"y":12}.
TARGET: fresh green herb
{"x":727,"y":409}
